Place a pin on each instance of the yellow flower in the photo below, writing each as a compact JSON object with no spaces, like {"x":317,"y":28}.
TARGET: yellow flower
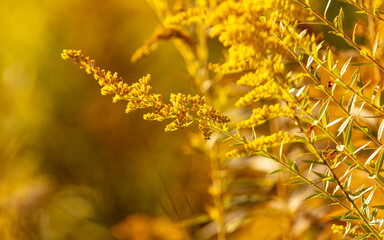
{"x":260,"y":115}
{"x":184,"y":109}
{"x":261,"y":143}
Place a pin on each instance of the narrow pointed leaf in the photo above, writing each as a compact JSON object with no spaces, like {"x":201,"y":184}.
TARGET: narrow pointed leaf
{"x":309,"y":62}
{"x":340,"y":20}
{"x":315,"y":195}
{"x":379,"y":163}
{"x":354,"y":33}
{"x":330,"y":59}
{"x":362,"y":147}
{"x":347,"y":182}
{"x":375,"y":45}
{"x":354,"y":77}
{"x":347,"y":138}
{"x":351,"y":103}
{"x":323,"y":109}
{"x":326,"y":8}
{"x":360,"y":84}
{"x":345,"y":66}
{"x":381,"y":102}
{"x":375,"y":91}
{"x":369,"y":198}
{"x":343,"y":126}
{"x":380,"y":131}
{"x":334,"y":122}
{"x":373,"y":155}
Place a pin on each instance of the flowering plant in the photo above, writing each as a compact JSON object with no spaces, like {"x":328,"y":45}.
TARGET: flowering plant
{"x":314,"y":109}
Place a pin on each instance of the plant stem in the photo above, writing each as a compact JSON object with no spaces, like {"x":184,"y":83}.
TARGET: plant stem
{"x":365,"y":10}
{"x":344,"y":36}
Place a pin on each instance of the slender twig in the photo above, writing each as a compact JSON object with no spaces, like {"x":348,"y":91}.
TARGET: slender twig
{"x":365,"y":10}
{"x":344,"y":36}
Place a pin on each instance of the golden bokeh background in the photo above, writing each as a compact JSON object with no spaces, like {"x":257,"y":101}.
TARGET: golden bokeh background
{"x":73,"y":165}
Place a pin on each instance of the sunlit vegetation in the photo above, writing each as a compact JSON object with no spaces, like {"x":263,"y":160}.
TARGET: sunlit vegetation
{"x":244,"y":119}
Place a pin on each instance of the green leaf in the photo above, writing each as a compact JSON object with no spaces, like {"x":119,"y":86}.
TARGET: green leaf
{"x":326,"y":8}
{"x":360,"y":84}
{"x":380,"y":131}
{"x":366,"y":229}
{"x":305,"y":120}
{"x":315,"y":50}
{"x":375,"y":45}
{"x":354,"y":77}
{"x":340,"y":83}
{"x":347,"y":138}
{"x":362,"y":191}
{"x":325,"y":119}
{"x":379,"y":207}
{"x":313,"y":162}
{"x":320,"y":175}
{"x":315,"y":195}
{"x":315,"y":74}
{"x":323,"y":109}
{"x":309,"y":61}
{"x":330,"y":60}
{"x":373,"y":155}
{"x":319,"y":137}
{"x":343,"y":126}
{"x":361,"y":148}
{"x":354,"y":34}
{"x":347,"y":182}
{"x":374,"y":116}
{"x":363,"y":64}
{"x":351,"y":103}
{"x":278,"y":170}
{"x":375,"y":91}
{"x":334,"y":122}
{"x":298,"y":182}
{"x":379,"y":163}
{"x":345,"y":66}
{"x":263,"y":154}
{"x":348,"y":216}
{"x":381,"y":102}
{"x":340,"y":20}
{"x":374,"y":213}
{"x":295,"y":167}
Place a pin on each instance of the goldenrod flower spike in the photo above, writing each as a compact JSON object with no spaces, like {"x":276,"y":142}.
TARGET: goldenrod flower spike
{"x":184,"y":109}
{"x":261,"y":115}
{"x":261,"y":143}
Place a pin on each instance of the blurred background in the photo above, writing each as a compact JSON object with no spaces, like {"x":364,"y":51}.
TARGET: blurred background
{"x":74,"y":165}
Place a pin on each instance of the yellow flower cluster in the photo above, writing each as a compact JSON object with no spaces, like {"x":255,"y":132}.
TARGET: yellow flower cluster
{"x":162,"y":34}
{"x":267,"y":81}
{"x":267,"y":90}
{"x":268,"y":69}
{"x":260,"y":115}
{"x":184,"y":109}
{"x":340,"y":229}
{"x":247,"y":27}
{"x":261,"y":143}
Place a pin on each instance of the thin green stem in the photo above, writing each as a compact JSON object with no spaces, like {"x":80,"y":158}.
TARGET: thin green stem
{"x":341,"y":33}
{"x":334,"y":176}
{"x":330,"y":135}
{"x":345,"y":111}
{"x":365,"y":10}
